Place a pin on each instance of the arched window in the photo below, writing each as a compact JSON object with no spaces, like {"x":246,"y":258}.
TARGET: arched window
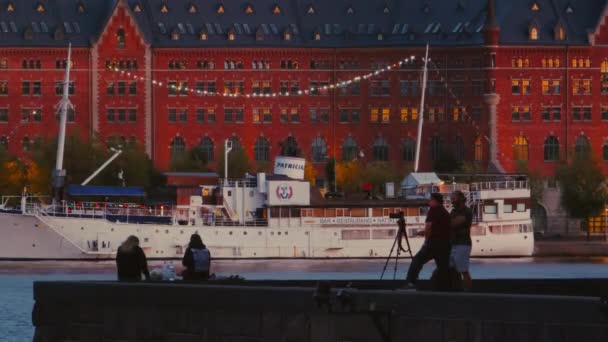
{"x":408,"y":149}
{"x":604,"y":77}
{"x":178,"y":148}
{"x":436,"y":148}
{"x":582,"y":148}
{"x":380,"y":150}
{"x":206,"y":147}
{"x":605,"y":152}
{"x":236,"y":143}
{"x":319,"y":150}
{"x":459,"y":148}
{"x":26,"y":144}
{"x":478,"y":149}
{"x":4,"y":142}
{"x":520,"y":148}
{"x":533,"y":33}
{"x":289,"y":147}
{"x":349,"y":149}
{"x":261,"y":150}
{"x":120,"y":38}
{"x":551,"y":148}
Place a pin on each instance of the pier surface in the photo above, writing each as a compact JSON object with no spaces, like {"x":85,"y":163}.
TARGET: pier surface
{"x":281,"y":311}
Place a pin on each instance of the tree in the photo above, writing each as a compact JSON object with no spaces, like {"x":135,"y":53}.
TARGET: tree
{"x":446,"y":162}
{"x":238,"y":163}
{"x":535,"y":179}
{"x":310,"y":173}
{"x":330,"y":173}
{"x":583,"y":189}
{"x":194,"y":160}
{"x":137,"y":169}
{"x":348,"y":175}
{"x":377,"y":174}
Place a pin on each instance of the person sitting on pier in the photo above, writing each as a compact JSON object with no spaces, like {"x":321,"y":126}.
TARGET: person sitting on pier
{"x":462,"y":219}
{"x":437,"y":240}
{"x":131,"y":261}
{"x":197,"y":260}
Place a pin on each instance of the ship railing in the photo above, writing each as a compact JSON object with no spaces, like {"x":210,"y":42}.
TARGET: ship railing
{"x":103,"y":210}
{"x":502,"y":185}
{"x":248,"y":183}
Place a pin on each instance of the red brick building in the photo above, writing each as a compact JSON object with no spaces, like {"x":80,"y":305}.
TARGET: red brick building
{"x":508,"y":80}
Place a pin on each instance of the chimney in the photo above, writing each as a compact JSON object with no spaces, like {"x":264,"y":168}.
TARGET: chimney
{"x":491,"y":28}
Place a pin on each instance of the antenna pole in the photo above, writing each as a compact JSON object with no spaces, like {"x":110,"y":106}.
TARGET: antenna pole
{"x":421,"y":111}
{"x":64,"y":105}
{"x":227,"y":149}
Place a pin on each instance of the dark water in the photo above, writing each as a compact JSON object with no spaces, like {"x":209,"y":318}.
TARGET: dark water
{"x":16,"y":278}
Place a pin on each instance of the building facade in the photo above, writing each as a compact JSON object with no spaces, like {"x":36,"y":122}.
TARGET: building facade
{"x":510,"y":81}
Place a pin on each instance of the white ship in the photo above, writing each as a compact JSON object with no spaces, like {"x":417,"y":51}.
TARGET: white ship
{"x":261,"y":217}
{"x":265,"y":217}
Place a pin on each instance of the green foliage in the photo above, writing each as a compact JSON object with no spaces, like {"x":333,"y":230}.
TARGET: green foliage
{"x":447,"y":163}
{"x":536,"y":180}
{"x":377,"y":174}
{"x":583,"y":188}
{"x":137,"y":168}
{"x":330,"y":173}
{"x":238,"y":163}
{"x":194,"y":160}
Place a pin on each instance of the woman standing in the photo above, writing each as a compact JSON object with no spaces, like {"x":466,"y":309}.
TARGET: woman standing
{"x":131,"y":261}
{"x":197,"y":260}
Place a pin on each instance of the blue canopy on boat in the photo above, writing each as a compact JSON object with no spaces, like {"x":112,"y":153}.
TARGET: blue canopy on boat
{"x":116,"y":191}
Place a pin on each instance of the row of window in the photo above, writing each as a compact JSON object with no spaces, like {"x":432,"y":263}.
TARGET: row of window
{"x":28,"y":144}
{"x":554,"y":87}
{"x":552,"y":63}
{"x":34,"y":88}
{"x":121,"y":88}
{"x":35,"y":64}
{"x":554,"y":113}
{"x":350,"y":149}
{"x":128,"y":64}
{"x":552,"y":147}
{"x":33,"y":115}
{"x":121,"y":115}
{"x":345,"y":115}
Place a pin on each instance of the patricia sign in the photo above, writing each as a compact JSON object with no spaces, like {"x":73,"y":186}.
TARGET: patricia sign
{"x":290,"y":167}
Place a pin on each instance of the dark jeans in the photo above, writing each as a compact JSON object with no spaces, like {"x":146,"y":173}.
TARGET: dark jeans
{"x":430,"y":250}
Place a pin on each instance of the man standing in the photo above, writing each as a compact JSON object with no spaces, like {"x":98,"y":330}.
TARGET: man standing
{"x":461,"y":220}
{"x":437,"y":240}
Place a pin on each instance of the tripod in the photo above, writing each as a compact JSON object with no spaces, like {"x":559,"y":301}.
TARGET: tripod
{"x":397,"y":242}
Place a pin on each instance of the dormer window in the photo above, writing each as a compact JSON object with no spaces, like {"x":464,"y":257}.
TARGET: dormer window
{"x":40,"y":8}
{"x":311,"y":10}
{"x":287,"y":35}
{"x":535,"y":7}
{"x":276,"y":9}
{"x":259,"y":34}
{"x":569,"y":9}
{"x":192,"y":9}
{"x":231,"y":34}
{"x":380,"y":36}
{"x":203,"y":35}
{"x":533,"y":35}
{"x":137,"y":8}
{"x":317,"y":36}
{"x":221,"y":9}
{"x":164,"y":8}
{"x":350,"y":10}
{"x":386,"y":10}
{"x":249,"y":9}
{"x":120,"y":39}
{"x":560,"y":32}
{"x":81,"y":8}
{"x":175,"y":34}
{"x":10,"y":7}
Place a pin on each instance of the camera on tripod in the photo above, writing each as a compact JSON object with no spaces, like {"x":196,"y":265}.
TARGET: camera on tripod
{"x":398,"y":215}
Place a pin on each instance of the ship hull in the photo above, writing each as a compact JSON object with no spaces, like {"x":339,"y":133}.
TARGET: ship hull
{"x":71,"y":238}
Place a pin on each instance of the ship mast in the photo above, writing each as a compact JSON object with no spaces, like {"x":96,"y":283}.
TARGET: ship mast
{"x":65,"y":104}
{"x":421,"y":111}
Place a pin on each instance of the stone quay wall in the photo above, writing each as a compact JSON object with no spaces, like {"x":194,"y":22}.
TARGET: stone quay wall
{"x":177,"y":312}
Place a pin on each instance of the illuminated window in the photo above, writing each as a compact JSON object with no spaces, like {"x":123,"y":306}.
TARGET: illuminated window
{"x":587,"y":63}
{"x":287,"y":35}
{"x":550,"y":65}
{"x":560,"y":33}
{"x":520,"y":148}
{"x":221,"y":9}
{"x":311,"y":10}
{"x":556,"y":62}
{"x":545,"y":87}
{"x":534,"y":33}
{"x":414,"y":114}
{"x":525,"y":87}
{"x":317,"y":36}
{"x":404,"y":114}
{"x":81,"y":8}
{"x":137,"y":8}
{"x":543,"y":63}
{"x":520,"y":63}
{"x":526,"y":63}
{"x":40,"y":8}
{"x":574,"y":63}
{"x":374,"y":115}
{"x":192,"y":9}
{"x":478,"y":149}
{"x":580,"y":63}
{"x":203,"y":36}
{"x":276,"y":9}
{"x":10,"y":7}
{"x":535,"y":7}
{"x":164,"y":8}
{"x":386,"y":115}
{"x":249,"y":9}
{"x":604,"y":77}
{"x":231,"y":36}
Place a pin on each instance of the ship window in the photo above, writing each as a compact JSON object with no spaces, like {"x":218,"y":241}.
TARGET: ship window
{"x":489,"y":209}
{"x":508,"y":208}
{"x":521,"y":207}
{"x":229,"y":193}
